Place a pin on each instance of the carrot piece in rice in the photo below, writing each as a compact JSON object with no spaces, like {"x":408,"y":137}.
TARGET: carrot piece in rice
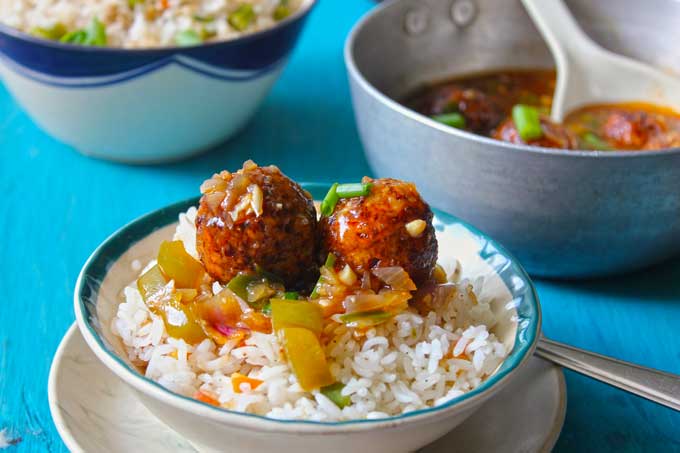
{"x":237,"y":379}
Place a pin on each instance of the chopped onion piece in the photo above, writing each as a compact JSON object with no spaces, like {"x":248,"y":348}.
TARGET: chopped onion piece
{"x":257,"y":199}
{"x":363,"y":302}
{"x":347,"y":276}
{"x":213,"y":199}
{"x":416,"y":227}
{"x":396,"y":277}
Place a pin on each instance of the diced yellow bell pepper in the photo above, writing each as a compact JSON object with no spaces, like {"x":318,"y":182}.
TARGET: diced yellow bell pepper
{"x":187,"y":294}
{"x":179,"y":319}
{"x":151,"y":285}
{"x":295,"y":313}
{"x":176,"y":264}
{"x":306,"y":358}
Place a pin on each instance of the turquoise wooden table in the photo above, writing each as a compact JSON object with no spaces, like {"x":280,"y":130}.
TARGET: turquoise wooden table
{"x":56,"y":206}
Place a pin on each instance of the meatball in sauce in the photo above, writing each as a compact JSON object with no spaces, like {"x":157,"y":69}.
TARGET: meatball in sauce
{"x":257,"y":219}
{"x":391,"y":226}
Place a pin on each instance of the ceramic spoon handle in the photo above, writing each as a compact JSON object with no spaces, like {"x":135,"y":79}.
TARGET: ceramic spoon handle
{"x":657,"y":386}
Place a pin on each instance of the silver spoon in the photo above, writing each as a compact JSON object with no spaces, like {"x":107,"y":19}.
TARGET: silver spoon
{"x":658,"y":386}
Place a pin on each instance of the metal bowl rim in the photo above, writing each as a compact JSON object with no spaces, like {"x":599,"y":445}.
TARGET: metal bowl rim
{"x":356,"y":75}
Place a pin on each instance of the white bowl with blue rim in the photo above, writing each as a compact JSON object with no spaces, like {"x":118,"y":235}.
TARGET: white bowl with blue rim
{"x":211,"y":429}
{"x":146,"y":105}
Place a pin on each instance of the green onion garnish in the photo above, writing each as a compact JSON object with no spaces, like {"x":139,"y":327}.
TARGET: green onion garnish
{"x":93,"y":35}
{"x":527,"y":122}
{"x":96,"y":33}
{"x":291,"y":295}
{"x":187,"y":38}
{"x":329,"y":201}
{"x":54,"y":33}
{"x":338,"y":191}
{"x":75,"y":37}
{"x":334,"y":393}
{"x":267,"y":309}
{"x":206,"y":34}
{"x":593,"y":141}
{"x":373,"y":315}
{"x":242,"y":17}
{"x":199,"y":18}
{"x":330,"y":263}
{"x":454,"y":119}
{"x":281,"y":12}
{"x":353,"y":190}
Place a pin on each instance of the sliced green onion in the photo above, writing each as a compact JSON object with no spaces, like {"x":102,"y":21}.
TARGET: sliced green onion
{"x":281,"y":12}
{"x":75,"y":37}
{"x":338,"y":191}
{"x":267,"y":309}
{"x":454,"y":119}
{"x":133,"y":3}
{"x":593,"y":141}
{"x":291,"y":295}
{"x":187,"y":38}
{"x":374,"y":316}
{"x":334,"y":393}
{"x":96,"y":33}
{"x":353,"y":190}
{"x":329,"y":201}
{"x":93,"y":35}
{"x":206,"y":33}
{"x":199,"y":18}
{"x":527,"y":122}
{"x":242,"y":17}
{"x":330,"y":263}
{"x":54,"y":33}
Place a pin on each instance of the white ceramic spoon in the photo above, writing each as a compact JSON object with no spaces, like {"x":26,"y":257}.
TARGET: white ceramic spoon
{"x":590,"y":74}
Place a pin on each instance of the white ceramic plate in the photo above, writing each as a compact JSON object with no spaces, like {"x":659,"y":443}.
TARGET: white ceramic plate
{"x":95,"y":412}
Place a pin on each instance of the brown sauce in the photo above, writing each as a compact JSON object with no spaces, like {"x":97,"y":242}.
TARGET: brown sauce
{"x":485,"y":104}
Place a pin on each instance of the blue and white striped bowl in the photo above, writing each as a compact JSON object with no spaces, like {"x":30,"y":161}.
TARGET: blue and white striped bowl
{"x":145,"y":105}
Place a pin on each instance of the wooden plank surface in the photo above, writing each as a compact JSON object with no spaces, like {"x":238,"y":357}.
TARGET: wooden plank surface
{"x":57,"y":206}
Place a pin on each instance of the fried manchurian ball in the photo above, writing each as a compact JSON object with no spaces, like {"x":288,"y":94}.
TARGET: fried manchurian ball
{"x":554,"y":135}
{"x":391,"y":226}
{"x":257,"y":219}
{"x":482,"y":113}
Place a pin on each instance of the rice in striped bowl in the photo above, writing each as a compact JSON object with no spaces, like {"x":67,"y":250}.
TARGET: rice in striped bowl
{"x":143,"y":23}
{"x":413,"y":361}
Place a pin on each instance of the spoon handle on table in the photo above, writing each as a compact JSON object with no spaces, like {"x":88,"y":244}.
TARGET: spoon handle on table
{"x":654,"y":385}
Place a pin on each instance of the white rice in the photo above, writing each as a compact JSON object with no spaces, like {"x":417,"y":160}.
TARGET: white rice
{"x":408,"y":363}
{"x":146,"y":24}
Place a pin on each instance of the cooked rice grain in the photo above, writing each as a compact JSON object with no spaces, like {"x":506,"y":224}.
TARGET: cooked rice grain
{"x":148,"y":23}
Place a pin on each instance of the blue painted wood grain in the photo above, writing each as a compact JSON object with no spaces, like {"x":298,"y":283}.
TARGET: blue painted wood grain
{"x":57,"y":206}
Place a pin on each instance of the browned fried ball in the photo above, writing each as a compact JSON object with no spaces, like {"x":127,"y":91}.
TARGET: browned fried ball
{"x":257,"y":219}
{"x":482,"y":111}
{"x":554,"y":135}
{"x":371,"y":231}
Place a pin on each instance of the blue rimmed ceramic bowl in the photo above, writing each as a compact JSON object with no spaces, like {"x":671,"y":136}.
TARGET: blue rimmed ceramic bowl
{"x":99,"y":292}
{"x":146,"y":105}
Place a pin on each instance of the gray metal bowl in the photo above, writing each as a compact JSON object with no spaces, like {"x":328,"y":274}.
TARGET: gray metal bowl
{"x":567,"y":214}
